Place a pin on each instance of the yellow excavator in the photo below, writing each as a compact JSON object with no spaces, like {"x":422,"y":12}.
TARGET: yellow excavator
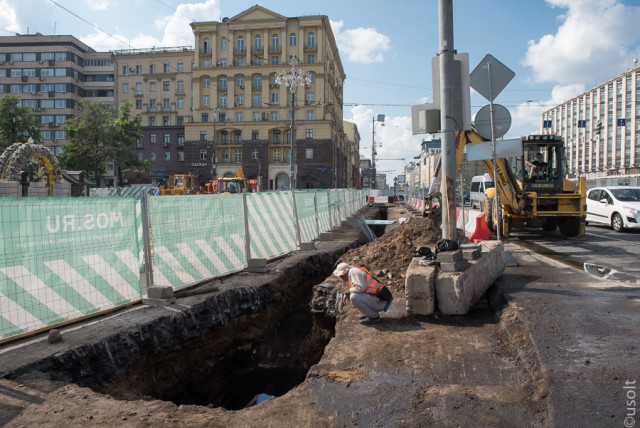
{"x":227,"y":185}
{"x":179,"y":184}
{"x":528,"y":197}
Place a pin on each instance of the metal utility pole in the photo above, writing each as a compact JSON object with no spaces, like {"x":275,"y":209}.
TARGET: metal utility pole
{"x":447,"y":123}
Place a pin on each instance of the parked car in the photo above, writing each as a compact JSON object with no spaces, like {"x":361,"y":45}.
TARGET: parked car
{"x":616,"y":206}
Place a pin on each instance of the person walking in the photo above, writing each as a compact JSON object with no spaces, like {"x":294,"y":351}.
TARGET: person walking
{"x":366,"y":293}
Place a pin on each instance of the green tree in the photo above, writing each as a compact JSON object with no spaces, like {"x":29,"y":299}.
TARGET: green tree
{"x":97,"y":135}
{"x":17,"y":123}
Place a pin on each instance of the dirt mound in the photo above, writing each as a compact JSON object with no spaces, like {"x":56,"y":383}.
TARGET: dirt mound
{"x":388,"y":257}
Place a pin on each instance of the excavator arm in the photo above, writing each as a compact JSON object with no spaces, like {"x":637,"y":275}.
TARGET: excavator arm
{"x":512,"y":198}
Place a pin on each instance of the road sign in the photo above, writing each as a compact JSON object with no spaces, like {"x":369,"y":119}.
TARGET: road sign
{"x":500,"y":75}
{"x":501,"y":121}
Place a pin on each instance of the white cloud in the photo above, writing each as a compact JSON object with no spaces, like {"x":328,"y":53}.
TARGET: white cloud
{"x":596,"y":40}
{"x":176,"y":28}
{"x":361,"y":45}
{"x":394,"y":140}
{"x":9,"y":18}
{"x":98,"y":4}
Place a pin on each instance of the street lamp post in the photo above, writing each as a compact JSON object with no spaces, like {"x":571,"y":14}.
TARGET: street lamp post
{"x":213,"y":154}
{"x":291,"y":80}
{"x":374,"y":178}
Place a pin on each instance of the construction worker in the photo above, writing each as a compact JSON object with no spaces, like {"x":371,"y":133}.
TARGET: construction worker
{"x":366,"y":293}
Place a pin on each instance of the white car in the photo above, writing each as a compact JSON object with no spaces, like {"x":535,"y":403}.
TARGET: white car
{"x":616,"y":206}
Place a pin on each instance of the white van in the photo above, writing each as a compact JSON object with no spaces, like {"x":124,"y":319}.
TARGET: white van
{"x":479,"y":186}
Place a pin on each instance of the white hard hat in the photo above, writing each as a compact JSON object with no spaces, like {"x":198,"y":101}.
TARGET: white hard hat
{"x":341,"y":269}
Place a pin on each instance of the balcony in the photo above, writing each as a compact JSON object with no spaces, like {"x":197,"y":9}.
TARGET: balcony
{"x":239,"y":52}
{"x":310,"y":48}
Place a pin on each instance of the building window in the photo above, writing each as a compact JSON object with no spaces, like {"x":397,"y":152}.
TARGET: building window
{"x":166,"y":139}
{"x":167,"y":156}
{"x":237,"y":155}
{"x":237,"y":137}
{"x":257,"y":100}
{"x":225,"y":156}
{"x":152,"y":86}
{"x":239,"y":116}
{"x":275,"y":42}
{"x":308,"y":134}
{"x":275,"y":98}
{"x":166,"y":68}
{"x":308,"y":153}
{"x":310,"y":114}
{"x":222,"y":102}
{"x":152,"y":69}
{"x":180,"y":102}
{"x":293,"y":40}
{"x":152,"y":121}
{"x":180,"y":121}
{"x":153,"y":156}
{"x":254,"y":154}
{"x":224,"y":43}
{"x":203,"y":135}
{"x":224,"y":137}
{"x":277,"y":155}
{"x":125,"y":87}
{"x":180,"y":156}
{"x":180,"y":67}
{"x":311,"y":59}
{"x":274,"y":116}
{"x":166,"y":85}
{"x":152,"y":139}
{"x":138,"y":69}
{"x":277,"y":137}
{"x":240,"y":99}
{"x":255,"y":135}
{"x":203,"y":155}
{"x":138,"y":143}
{"x":275,"y":60}
{"x":206,"y":100}
{"x":257,"y":43}
{"x":206,"y":82}
{"x":205,"y":117}
{"x":180,"y":140}
{"x":165,"y":121}
{"x":240,"y":43}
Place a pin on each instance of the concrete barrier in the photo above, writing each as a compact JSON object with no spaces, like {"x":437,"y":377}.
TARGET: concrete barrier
{"x":457,"y":292}
{"x":419,"y":288}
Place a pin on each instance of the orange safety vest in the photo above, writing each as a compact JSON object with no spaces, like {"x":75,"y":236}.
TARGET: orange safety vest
{"x":372,"y":285}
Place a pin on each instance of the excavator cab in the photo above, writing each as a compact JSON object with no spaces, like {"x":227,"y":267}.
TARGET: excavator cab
{"x":542,"y":164}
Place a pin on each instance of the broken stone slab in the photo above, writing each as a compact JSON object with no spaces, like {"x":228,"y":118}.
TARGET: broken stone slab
{"x":419,"y":288}
{"x":449,"y":256}
{"x":457,"y":292}
{"x":471,"y":251}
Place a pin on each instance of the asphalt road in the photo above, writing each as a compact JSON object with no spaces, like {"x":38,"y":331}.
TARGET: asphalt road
{"x":602,"y":253}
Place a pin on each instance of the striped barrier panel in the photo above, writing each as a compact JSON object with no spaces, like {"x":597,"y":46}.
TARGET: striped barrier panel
{"x":324,"y":213}
{"x":271,"y":227}
{"x":196,"y":237}
{"x":65,"y":258}
{"x":306,"y":209}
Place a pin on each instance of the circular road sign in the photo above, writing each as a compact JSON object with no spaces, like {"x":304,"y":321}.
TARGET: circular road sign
{"x":501,"y":121}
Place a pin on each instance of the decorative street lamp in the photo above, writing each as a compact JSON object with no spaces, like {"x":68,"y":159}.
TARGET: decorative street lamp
{"x":292,"y":79}
{"x":213,"y":154}
{"x":374,"y":178}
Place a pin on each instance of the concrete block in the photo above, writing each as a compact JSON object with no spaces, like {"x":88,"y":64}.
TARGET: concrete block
{"x":472,"y":254}
{"x":256,"y":265}
{"x":160,"y":292}
{"x":307,"y":246}
{"x":449,"y":256}
{"x":457,"y":266}
{"x":420,"y":288}
{"x":457,"y":292}
{"x":159,"y":295}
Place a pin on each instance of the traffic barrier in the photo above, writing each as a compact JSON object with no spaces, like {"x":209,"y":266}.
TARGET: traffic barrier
{"x":481,"y":232}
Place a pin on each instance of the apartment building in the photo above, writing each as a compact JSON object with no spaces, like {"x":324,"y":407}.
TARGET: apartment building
{"x":50,"y":74}
{"x":601,"y":128}
{"x":157,"y":84}
{"x":244,"y":116}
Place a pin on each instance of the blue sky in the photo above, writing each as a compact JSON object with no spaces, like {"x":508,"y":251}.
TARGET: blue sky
{"x":557,"y":48}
